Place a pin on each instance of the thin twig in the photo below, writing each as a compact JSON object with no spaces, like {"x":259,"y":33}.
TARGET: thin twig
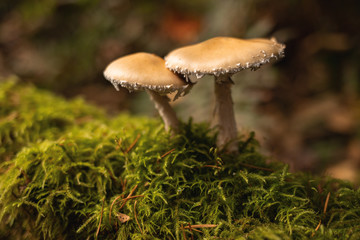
{"x":136,"y":196}
{"x":193,"y":229}
{"x":317,"y":228}
{"x":183,"y":231}
{"x":167,"y":153}
{"x":256,"y":167}
{"x":192,"y":236}
{"x":202,"y":226}
{"x":112,"y":204}
{"x":133,"y":144}
{"x":136,"y":218}
{"x":164,"y":155}
{"x":132,"y":190}
{"x":101,"y":216}
{"x":124,"y":199}
{"x":123,"y":184}
{"x":325,"y":208}
{"x":326,"y":202}
{"x":130,"y":194}
{"x":212,"y":166}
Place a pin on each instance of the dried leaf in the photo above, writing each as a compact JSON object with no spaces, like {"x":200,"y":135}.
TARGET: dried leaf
{"x":123,"y":218}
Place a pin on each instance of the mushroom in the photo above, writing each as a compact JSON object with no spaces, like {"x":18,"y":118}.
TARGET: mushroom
{"x":146,"y":71}
{"x":222,"y":57}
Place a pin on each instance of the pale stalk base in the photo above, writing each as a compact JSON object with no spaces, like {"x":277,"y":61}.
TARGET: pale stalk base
{"x":166,"y":112}
{"x":224,"y":117}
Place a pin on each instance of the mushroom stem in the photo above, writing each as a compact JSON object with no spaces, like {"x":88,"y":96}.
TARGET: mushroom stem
{"x":166,"y":112}
{"x":224,"y":117}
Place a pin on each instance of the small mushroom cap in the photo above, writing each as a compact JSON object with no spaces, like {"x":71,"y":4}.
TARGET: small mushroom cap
{"x":140,"y":71}
{"x":223,"y":55}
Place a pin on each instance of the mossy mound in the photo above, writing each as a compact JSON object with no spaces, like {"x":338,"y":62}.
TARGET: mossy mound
{"x":29,"y":115}
{"x":68,"y":172}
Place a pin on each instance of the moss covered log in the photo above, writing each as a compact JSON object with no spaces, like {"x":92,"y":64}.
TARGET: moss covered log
{"x":70,"y":172}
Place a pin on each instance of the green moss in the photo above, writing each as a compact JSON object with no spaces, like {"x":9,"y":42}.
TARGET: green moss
{"x":31,"y":115}
{"x":66,"y":169}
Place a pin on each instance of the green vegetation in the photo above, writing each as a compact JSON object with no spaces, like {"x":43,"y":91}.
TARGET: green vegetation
{"x":66,"y":169}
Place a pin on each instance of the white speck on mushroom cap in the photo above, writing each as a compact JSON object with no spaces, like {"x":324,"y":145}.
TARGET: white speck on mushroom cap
{"x":224,"y":55}
{"x":141,"y":71}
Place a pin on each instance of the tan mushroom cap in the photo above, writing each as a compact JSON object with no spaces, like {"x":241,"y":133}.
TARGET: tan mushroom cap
{"x":222,"y":55}
{"x":140,"y":71}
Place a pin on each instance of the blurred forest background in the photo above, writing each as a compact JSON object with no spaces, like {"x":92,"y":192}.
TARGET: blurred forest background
{"x":305,"y":109}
